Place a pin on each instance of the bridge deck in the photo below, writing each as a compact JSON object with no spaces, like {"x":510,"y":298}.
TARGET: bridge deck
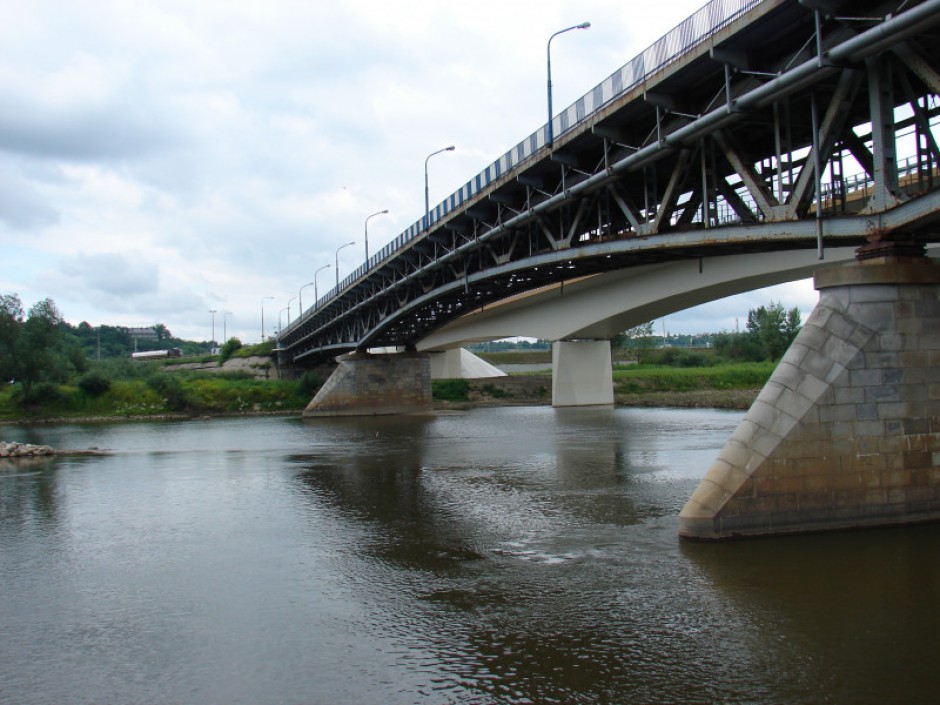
{"x":715,"y":140}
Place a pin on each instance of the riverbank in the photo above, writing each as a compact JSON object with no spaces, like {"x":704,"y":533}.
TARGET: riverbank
{"x":536,"y":390}
{"x":504,"y":391}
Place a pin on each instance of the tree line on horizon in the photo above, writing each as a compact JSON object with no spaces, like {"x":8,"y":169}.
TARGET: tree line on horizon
{"x":39,"y":346}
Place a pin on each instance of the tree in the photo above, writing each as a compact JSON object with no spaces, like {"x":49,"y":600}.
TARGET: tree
{"x":37,"y":348}
{"x":228,"y":349}
{"x":162,"y":332}
{"x":11,"y":321}
{"x":639,"y":339}
{"x":774,"y":328}
{"x":37,"y":352}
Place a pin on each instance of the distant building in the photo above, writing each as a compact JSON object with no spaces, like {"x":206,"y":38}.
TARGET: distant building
{"x":142,"y":333}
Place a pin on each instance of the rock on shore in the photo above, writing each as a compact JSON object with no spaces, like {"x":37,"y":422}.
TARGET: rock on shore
{"x":23,"y":450}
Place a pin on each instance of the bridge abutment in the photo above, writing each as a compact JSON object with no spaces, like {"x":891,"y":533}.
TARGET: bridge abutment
{"x":846,"y":433}
{"x":374,"y":385}
{"x":582,"y":373}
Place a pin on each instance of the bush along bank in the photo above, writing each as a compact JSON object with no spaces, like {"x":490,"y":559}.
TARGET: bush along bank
{"x":159,"y":394}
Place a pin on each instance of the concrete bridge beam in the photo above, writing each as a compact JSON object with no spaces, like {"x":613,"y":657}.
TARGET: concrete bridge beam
{"x":846,"y":433}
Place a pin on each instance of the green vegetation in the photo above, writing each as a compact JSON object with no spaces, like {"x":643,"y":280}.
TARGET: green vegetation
{"x":158,"y":394}
{"x":47,"y":373}
{"x":229,"y":348}
{"x":637,"y":379}
{"x":450,"y":390}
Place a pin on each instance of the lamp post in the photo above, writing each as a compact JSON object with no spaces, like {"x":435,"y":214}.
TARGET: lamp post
{"x":288,"y":308}
{"x":225,"y":315}
{"x":213,"y":312}
{"x":280,"y":325}
{"x":351,"y":242}
{"x":584,"y":25}
{"x":427,"y":206}
{"x":316,"y":292}
{"x":300,"y":300}
{"x":366,"y":234}
{"x":262,"y":315}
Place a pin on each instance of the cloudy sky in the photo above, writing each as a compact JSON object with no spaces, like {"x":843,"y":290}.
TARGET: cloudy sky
{"x":161,"y":159}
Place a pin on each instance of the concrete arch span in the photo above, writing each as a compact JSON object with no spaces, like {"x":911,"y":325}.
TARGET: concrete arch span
{"x":601,"y":306}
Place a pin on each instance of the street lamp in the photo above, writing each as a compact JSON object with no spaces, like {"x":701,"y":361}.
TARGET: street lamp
{"x":280,"y":324}
{"x":262,"y":315}
{"x":213,"y":312}
{"x":288,"y":308}
{"x":427,"y":206}
{"x":300,"y":299}
{"x":225,"y":315}
{"x":316,"y":292}
{"x":351,"y":242}
{"x":367,"y":232}
{"x":583,"y":25}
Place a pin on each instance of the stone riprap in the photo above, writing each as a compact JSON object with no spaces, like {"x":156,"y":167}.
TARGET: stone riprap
{"x":23,"y":450}
{"x":846,"y":433}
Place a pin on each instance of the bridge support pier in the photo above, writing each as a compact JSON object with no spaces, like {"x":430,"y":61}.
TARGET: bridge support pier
{"x":582,"y":373}
{"x":460,"y":363}
{"x":374,"y":385}
{"x":846,"y":433}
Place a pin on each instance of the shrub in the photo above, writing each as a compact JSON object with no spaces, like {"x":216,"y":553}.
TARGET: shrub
{"x":450,"y":390}
{"x":171,"y":389}
{"x":44,"y":393}
{"x":228,"y":349}
{"x":94,"y":384}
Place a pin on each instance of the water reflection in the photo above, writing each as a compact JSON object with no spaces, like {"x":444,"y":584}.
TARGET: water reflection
{"x":848,"y":612}
{"x":28,"y":492}
{"x":507,"y":562}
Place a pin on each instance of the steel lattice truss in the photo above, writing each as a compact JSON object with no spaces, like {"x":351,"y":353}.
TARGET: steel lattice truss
{"x":799,"y":125}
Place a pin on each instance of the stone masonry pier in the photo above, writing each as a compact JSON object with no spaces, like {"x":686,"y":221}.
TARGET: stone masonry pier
{"x":371,"y":385}
{"x":846,"y":433}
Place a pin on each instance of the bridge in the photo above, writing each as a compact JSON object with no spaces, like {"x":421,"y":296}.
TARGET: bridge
{"x":755,"y":142}
{"x":702,"y":146}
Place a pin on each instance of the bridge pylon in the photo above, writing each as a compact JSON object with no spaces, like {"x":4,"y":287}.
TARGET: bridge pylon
{"x":846,"y":433}
{"x":582,"y":373}
{"x":364,"y":384}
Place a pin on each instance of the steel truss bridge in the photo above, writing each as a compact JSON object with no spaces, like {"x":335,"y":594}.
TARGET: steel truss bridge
{"x":755,"y":126}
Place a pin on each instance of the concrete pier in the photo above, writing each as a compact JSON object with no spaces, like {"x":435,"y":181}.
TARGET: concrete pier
{"x":375,"y":385}
{"x":582,"y":373}
{"x":846,"y":433}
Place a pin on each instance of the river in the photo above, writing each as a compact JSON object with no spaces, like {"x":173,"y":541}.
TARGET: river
{"x":505,"y":555}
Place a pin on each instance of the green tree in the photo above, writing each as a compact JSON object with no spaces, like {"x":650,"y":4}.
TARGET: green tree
{"x":639,"y":339}
{"x":228,"y":349}
{"x":11,"y":323}
{"x":38,"y":356}
{"x":774,"y":328}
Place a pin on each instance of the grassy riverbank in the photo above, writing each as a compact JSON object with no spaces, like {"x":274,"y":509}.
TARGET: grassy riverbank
{"x":153,"y":392}
{"x":161,"y":395}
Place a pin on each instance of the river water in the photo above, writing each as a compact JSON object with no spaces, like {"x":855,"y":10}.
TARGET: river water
{"x":509,"y":555}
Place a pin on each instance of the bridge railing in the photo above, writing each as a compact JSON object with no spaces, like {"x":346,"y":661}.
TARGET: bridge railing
{"x":692,"y":31}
